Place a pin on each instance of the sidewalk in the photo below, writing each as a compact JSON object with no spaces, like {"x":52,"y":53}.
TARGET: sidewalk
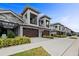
{"x":54,"y":47}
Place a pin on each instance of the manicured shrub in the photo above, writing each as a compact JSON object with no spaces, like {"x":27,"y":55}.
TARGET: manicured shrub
{"x":44,"y":36}
{"x":23,"y":40}
{"x":60,"y":36}
{"x":14,"y":41}
{"x":6,"y":42}
{"x":63,"y":36}
{"x":10,"y":34}
{"x":1,"y":43}
{"x":51,"y":37}
{"x":48,"y":36}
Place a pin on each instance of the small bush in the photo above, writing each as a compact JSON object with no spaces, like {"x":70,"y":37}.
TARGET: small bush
{"x":51,"y":37}
{"x":1,"y":43}
{"x":44,"y":36}
{"x":14,"y":41}
{"x":23,"y":40}
{"x":7,"y":42}
{"x":10,"y":34}
{"x":63,"y":36}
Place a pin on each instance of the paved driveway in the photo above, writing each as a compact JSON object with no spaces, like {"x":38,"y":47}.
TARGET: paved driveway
{"x":54,"y":47}
{"x":38,"y":39}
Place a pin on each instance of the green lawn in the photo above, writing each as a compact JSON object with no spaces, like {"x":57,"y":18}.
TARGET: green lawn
{"x":39,"y":51}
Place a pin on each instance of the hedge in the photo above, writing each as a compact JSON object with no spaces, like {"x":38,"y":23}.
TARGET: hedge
{"x":60,"y":36}
{"x":11,"y":34}
{"x":48,"y":36}
{"x":14,"y":41}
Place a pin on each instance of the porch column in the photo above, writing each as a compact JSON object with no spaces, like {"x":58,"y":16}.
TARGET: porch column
{"x":21,"y":31}
{"x":40,"y":33}
{"x":50,"y":32}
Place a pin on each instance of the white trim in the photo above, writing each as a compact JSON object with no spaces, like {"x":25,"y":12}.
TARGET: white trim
{"x":21,"y":31}
{"x":28,"y":17}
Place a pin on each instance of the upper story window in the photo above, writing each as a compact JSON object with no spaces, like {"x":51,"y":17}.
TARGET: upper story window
{"x":59,"y":27}
{"x":41,"y":22}
{"x":26,"y":16}
{"x":33,"y":19}
{"x":63,"y":28}
{"x":47,"y":23}
{"x":55,"y":26}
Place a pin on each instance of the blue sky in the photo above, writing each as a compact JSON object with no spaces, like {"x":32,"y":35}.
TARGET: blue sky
{"x":66,"y":14}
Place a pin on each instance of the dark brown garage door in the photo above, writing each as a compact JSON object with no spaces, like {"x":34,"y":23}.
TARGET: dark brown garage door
{"x":45,"y":32}
{"x":30,"y":32}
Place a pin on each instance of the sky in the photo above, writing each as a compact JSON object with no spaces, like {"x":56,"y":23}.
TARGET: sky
{"x":64,"y":13}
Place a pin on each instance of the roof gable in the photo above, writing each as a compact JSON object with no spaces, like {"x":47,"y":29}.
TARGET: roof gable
{"x":10,"y":16}
{"x":29,"y":8}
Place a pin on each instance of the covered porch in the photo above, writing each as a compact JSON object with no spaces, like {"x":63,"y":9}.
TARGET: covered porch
{"x":5,"y":27}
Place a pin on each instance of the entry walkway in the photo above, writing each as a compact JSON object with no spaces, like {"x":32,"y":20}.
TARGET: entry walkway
{"x":55,"y":47}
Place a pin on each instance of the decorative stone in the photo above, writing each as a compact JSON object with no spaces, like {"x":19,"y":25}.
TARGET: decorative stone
{"x":4,"y":36}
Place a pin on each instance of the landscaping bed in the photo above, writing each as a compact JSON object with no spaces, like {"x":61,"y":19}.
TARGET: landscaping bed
{"x":60,"y":36}
{"x":48,"y":36}
{"x":39,"y":51}
{"x":14,"y":41}
{"x":52,"y":36}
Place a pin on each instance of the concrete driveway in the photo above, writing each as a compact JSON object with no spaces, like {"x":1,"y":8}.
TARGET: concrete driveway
{"x":38,"y":39}
{"x":55,"y":47}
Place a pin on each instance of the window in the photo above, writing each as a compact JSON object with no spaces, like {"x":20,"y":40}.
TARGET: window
{"x":63,"y":28}
{"x":41,"y":22}
{"x":33,"y":19}
{"x":59,"y":27}
{"x":47,"y":23}
{"x":55,"y":26}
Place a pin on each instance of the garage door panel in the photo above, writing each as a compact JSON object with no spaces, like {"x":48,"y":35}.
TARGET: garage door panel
{"x":30,"y":32}
{"x":45,"y":32}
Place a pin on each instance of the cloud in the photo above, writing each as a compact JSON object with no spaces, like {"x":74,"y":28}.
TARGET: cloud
{"x":40,"y":14}
{"x":70,"y":22}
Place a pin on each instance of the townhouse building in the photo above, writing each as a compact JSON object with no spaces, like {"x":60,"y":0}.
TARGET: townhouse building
{"x":28,"y":23}
{"x":60,"y":29}
{"x":57,"y":28}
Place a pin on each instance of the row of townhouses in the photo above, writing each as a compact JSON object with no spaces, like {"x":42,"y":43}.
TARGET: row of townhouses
{"x":29,"y":23}
{"x":60,"y":29}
